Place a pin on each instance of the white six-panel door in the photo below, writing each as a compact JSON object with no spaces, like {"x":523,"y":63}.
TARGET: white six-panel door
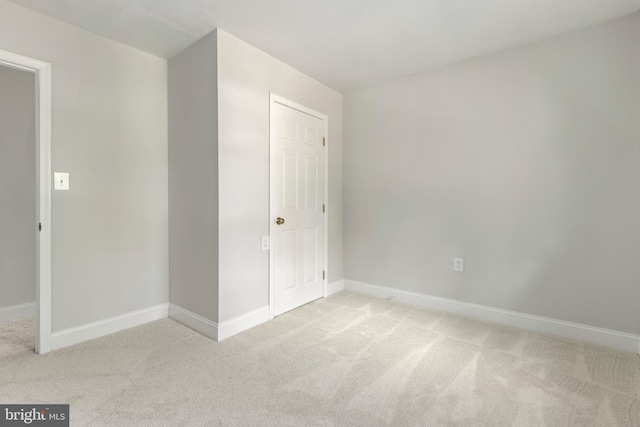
{"x":297,"y":230}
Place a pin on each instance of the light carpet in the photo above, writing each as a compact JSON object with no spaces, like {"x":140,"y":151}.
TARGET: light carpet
{"x":347,"y":360}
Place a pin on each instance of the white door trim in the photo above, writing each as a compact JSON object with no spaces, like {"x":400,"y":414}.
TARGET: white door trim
{"x":42,"y":71}
{"x":273,"y":100}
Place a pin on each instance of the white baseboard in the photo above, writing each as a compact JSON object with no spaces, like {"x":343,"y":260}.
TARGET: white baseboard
{"x":335,"y":287}
{"x":206,"y":327}
{"x":218,"y":331}
{"x":574,"y":331}
{"x":108,"y":326}
{"x":242,"y":323}
{"x":18,"y":311}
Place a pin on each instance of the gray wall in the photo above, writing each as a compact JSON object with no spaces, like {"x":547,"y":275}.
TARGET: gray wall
{"x":193,"y":179}
{"x":17,"y":187}
{"x":245,"y":77}
{"x":524,"y":162}
{"x":110,"y":232}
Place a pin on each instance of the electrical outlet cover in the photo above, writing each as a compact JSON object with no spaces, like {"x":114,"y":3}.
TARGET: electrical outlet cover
{"x":265,"y":243}
{"x":458,"y":265}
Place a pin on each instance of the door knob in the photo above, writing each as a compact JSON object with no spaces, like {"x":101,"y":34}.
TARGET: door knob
{"x":279,"y":221}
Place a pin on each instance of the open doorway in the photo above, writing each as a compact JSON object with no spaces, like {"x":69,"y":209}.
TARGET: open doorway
{"x":25,"y":204}
{"x":18,"y":210}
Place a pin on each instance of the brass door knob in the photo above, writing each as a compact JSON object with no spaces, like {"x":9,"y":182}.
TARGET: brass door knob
{"x":279,"y":221}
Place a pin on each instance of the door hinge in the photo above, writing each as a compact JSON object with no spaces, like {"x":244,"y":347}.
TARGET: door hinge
{"x":324,"y":141}
{"x":39,"y":226}
{"x":323,"y":208}
{"x":323,"y":275}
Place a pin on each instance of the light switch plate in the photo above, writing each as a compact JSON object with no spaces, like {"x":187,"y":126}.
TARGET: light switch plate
{"x":60,"y":181}
{"x":265,"y":243}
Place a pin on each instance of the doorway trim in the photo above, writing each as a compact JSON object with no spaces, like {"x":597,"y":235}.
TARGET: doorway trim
{"x":42,"y":72}
{"x":273,"y":100}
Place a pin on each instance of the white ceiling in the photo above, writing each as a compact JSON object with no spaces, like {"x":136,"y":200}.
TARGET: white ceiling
{"x":346,"y":44}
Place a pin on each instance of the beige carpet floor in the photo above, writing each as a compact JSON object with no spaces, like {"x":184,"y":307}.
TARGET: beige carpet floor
{"x":348,"y":360}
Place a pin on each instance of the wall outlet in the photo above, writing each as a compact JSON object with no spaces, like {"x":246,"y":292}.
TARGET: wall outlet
{"x":266,"y":243}
{"x":458,"y":265}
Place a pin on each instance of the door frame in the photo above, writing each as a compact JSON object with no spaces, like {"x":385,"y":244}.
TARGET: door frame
{"x":273,"y":100}
{"x":42,"y":72}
